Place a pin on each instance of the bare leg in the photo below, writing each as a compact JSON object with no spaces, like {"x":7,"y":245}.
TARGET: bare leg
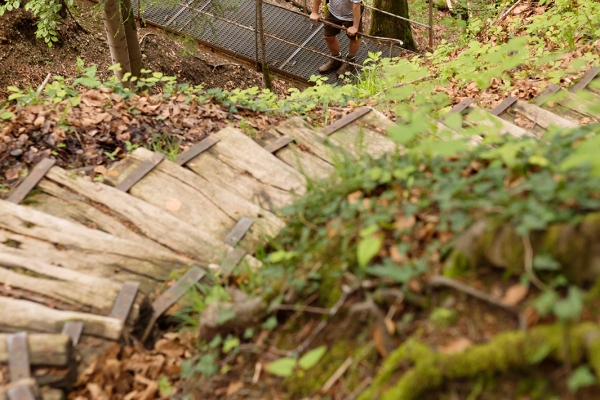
{"x":333,"y":44}
{"x":354,"y":46}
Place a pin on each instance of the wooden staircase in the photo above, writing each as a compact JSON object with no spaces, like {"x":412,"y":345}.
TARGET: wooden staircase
{"x":89,"y":259}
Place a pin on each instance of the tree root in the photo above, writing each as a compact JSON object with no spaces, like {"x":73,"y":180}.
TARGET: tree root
{"x":508,"y":351}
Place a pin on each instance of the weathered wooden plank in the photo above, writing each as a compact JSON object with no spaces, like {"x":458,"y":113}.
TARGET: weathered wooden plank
{"x":19,"y":366}
{"x":19,"y":315}
{"x":503,"y":106}
{"x":279,"y":144}
{"x":79,"y":290}
{"x":359,"y":140}
{"x":72,"y":206}
{"x":346,"y":120}
{"x":114,"y":267}
{"x":543,"y":118}
{"x":197,"y":149}
{"x":308,"y":138}
{"x":173,"y":197}
{"x":546,"y":94}
{"x":28,"y":222}
{"x":73,"y":330}
{"x":140,"y":172}
{"x":307,"y":164}
{"x":149,"y":219}
{"x":239,"y":151}
{"x":377,"y":119}
{"x":241,"y":166}
{"x":232,"y":205}
{"x":482,"y":117}
{"x":7,"y":392}
{"x":31,"y":181}
{"x":586,"y":79}
{"x":579,"y":102}
{"x":52,"y":350}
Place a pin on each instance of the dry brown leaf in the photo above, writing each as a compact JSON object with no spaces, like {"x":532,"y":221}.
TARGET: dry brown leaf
{"x":379,"y":341}
{"x":456,"y":346}
{"x":415,"y":285}
{"x":234,"y":387}
{"x":11,"y":174}
{"x":113,"y":173}
{"x":397,"y":256}
{"x":96,"y":392}
{"x":100,"y":169}
{"x":390,"y":326}
{"x":405,"y":222}
{"x":354,"y":197}
{"x":172,"y":204}
{"x":515,"y":294}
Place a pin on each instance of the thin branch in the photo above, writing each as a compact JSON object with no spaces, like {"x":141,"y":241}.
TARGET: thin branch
{"x":439,"y":280}
{"x":302,"y":308}
{"x":41,"y":87}
{"x":528,"y":249}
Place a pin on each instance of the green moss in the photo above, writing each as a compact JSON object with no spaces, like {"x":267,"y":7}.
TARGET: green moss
{"x":508,"y":351}
{"x":305,"y":383}
{"x":457,"y":265}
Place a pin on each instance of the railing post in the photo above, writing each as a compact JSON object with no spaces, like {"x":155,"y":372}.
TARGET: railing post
{"x":431,"y":24}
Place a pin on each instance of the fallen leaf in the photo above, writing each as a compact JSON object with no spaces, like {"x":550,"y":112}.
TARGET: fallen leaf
{"x":405,"y":222}
{"x":11,"y":174}
{"x":397,"y":256}
{"x":379,"y":342}
{"x":113,"y":173}
{"x":234,"y":387}
{"x":456,"y":346}
{"x":173,"y":204}
{"x":515,"y":294}
{"x":354,"y":197}
{"x":100,"y":169}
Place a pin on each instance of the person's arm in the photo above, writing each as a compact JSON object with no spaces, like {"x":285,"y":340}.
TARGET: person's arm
{"x":353,"y":30}
{"x":314,"y":16}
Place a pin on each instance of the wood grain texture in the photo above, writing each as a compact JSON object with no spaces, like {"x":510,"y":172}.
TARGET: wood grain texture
{"x":480,"y":116}
{"x":52,"y":350}
{"x":543,"y":118}
{"x":23,"y":315}
{"x":359,"y":140}
{"x":155,"y":223}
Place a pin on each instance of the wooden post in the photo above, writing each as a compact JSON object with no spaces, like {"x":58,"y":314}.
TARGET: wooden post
{"x":431,"y":24}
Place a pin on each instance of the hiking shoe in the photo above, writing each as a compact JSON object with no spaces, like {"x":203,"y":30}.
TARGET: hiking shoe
{"x":331,"y":64}
{"x":347,"y":67}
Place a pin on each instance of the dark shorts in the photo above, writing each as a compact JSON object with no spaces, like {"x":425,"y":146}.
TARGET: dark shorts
{"x":330,"y":31}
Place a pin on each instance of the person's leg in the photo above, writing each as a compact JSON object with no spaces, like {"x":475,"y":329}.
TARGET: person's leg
{"x":354,"y":46}
{"x":333,"y":44}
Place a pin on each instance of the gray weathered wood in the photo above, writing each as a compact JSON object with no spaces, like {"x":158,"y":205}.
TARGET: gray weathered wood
{"x":309,"y":165}
{"x":69,"y":205}
{"x":43,"y":394}
{"x":155,"y":223}
{"x":243,"y":167}
{"x":377,"y":119}
{"x":79,"y":290}
{"x":359,"y":140}
{"x":28,"y":222}
{"x":482,"y":117}
{"x":578,"y":102}
{"x":115,"y":267}
{"x":22,"y":315}
{"x":309,"y":138}
{"x":543,"y":118}
{"x":52,"y":350}
{"x":236,"y":207}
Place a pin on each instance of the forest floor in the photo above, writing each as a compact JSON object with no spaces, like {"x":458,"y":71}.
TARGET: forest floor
{"x":360,"y":330}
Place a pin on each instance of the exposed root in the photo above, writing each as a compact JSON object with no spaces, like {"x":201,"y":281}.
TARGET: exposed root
{"x":511,"y":350}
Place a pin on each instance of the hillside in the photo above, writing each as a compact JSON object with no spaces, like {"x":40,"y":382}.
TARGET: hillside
{"x":439,"y":244}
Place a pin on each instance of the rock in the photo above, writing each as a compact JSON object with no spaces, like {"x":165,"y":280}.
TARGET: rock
{"x":16,"y":152}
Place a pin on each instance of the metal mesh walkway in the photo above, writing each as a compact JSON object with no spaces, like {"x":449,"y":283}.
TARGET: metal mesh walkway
{"x":290,"y":36}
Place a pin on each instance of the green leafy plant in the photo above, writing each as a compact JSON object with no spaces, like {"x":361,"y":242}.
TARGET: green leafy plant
{"x":286,"y":366}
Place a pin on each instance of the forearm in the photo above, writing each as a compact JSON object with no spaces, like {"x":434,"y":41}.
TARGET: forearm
{"x":356,"y":14}
{"x":316,"y":5}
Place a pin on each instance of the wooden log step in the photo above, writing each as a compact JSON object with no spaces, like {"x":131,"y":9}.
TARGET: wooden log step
{"x":114,"y":267}
{"x":308,"y":138}
{"x":38,"y":393}
{"x":541,"y":117}
{"x":51,"y":350}
{"x":243,"y":167}
{"x":584,"y":103}
{"x":479,"y":116}
{"x":74,"y":290}
{"x":152,"y":221}
{"x":359,"y":140}
{"x":200,"y":197}
{"x":120,"y":253}
{"x":63,"y":203}
{"x":23,"y":315}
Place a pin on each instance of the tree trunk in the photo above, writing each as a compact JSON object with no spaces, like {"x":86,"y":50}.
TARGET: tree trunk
{"x":63,"y":9}
{"x":388,"y":26}
{"x":115,"y":35}
{"x":133,"y":45}
{"x":261,"y":30}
